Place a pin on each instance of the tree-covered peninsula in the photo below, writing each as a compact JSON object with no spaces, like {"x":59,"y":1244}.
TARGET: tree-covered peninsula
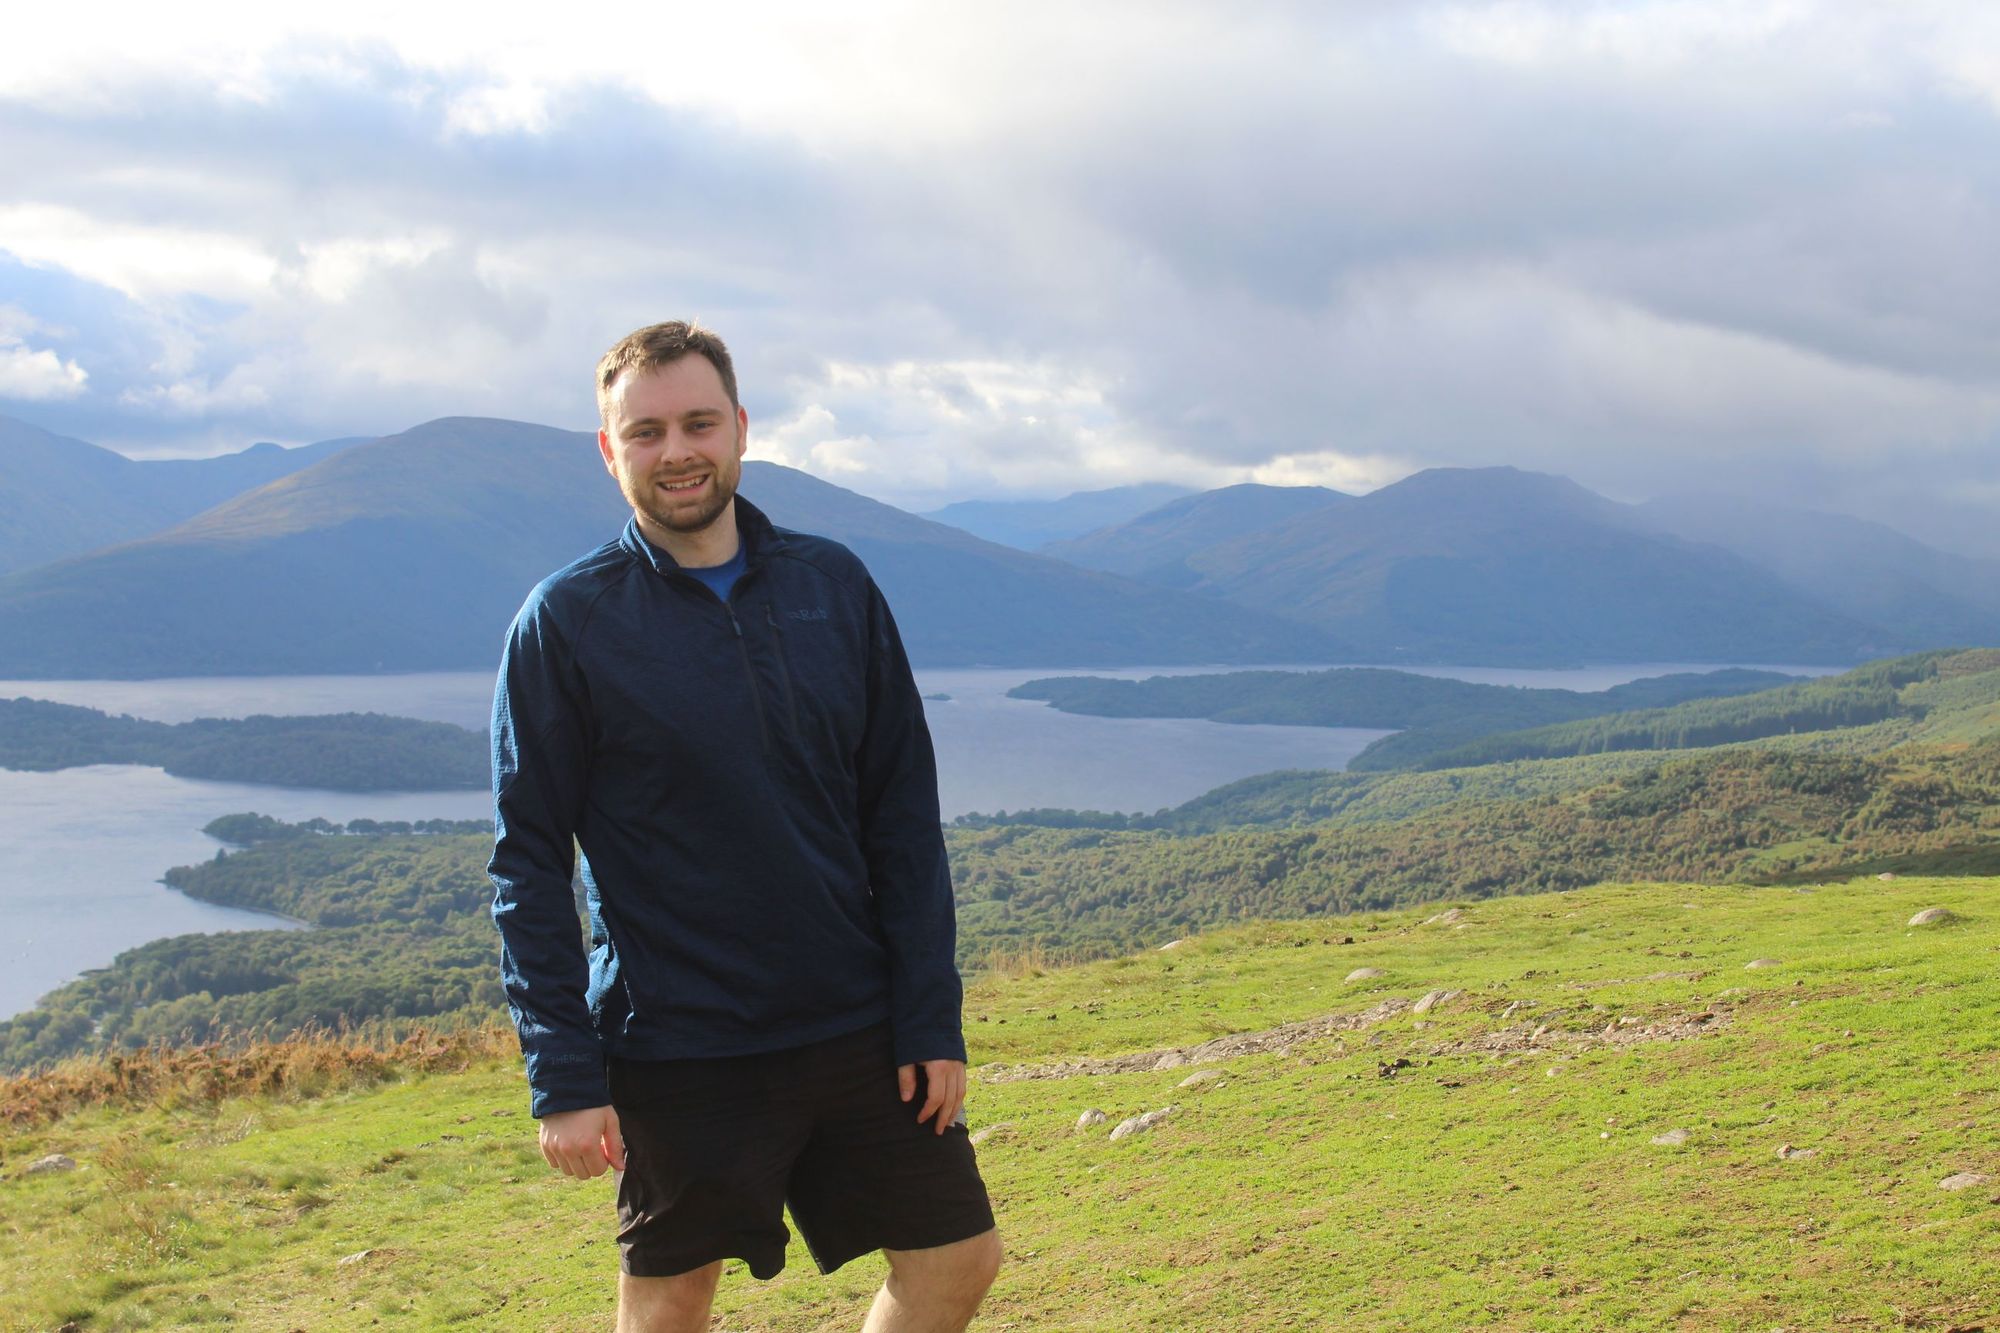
{"x":334,"y":752}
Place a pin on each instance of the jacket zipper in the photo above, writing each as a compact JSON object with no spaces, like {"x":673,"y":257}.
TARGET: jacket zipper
{"x":756,"y":694}
{"x":784,"y":667}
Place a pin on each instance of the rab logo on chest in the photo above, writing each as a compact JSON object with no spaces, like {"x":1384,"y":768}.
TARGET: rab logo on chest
{"x":808,"y":613}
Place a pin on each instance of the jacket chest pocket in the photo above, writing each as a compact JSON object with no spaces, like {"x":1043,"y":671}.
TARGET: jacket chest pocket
{"x":822,"y":680}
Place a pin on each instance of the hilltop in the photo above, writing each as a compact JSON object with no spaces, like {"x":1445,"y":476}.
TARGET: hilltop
{"x":1603,"y":1117}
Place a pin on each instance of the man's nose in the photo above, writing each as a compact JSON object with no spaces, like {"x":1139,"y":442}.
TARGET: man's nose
{"x":678,"y":446}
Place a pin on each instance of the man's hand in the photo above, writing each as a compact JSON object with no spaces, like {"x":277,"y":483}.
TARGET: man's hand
{"x":944,"y":1084}
{"x":583,"y":1143}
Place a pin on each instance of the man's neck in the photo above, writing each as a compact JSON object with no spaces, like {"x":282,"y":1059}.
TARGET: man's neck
{"x":715,"y":544}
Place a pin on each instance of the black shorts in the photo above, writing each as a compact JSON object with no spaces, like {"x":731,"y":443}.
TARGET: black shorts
{"x":715,"y":1149}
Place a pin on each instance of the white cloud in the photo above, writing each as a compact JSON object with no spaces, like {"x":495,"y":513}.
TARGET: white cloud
{"x":139,"y":260}
{"x":1354,"y":473}
{"x":34,"y":374}
{"x":38,"y":375}
{"x":198,"y":397}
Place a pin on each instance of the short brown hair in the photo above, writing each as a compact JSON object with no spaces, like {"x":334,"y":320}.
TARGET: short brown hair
{"x":657,"y":345}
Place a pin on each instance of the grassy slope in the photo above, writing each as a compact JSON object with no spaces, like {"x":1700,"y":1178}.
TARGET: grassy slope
{"x":1513,"y":1190}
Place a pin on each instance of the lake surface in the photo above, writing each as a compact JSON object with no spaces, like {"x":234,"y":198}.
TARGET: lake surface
{"x":82,"y":850}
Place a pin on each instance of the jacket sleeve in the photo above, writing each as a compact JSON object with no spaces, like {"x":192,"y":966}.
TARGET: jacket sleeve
{"x":903,"y":839}
{"x":541,"y":729}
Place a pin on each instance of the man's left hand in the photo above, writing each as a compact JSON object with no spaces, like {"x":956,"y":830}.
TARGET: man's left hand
{"x":944,"y":1084}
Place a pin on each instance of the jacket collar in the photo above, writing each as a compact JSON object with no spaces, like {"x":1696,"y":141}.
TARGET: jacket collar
{"x":757,"y":533}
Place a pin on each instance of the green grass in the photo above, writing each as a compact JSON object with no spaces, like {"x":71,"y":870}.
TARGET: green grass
{"x":1515,"y":1189}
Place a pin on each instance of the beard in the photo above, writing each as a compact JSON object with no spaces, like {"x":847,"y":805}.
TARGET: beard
{"x":692,"y":517}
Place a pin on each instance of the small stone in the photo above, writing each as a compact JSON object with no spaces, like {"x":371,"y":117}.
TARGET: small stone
{"x":1200,"y":1078}
{"x":1964,"y":1180}
{"x":1090,"y":1118}
{"x":359,"y":1256}
{"x":1365,"y":973}
{"x":1934,"y":916}
{"x":1673,"y":1138}
{"x":1789,"y":1153}
{"x":1170,"y":944}
{"x":1431,"y":1000}
{"x":1886,"y":875}
{"x":1761,"y":962}
{"x":1139,"y":1124}
{"x":979,"y":1136}
{"x":1445,"y":917}
{"x":55,"y":1161}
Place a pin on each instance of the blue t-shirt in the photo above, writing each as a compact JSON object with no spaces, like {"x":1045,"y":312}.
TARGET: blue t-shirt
{"x":720,"y":578}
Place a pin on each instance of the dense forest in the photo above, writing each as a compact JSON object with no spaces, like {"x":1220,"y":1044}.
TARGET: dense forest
{"x":402,"y":931}
{"x":336,"y":752}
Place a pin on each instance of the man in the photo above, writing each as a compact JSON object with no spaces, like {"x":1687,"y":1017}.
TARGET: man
{"x":720,"y":714}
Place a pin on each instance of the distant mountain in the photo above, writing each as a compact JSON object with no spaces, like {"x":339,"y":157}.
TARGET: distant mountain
{"x":61,"y":497}
{"x":1156,"y":545}
{"x":1029,"y":524}
{"x":1503,"y":566}
{"x":412,"y":553}
{"x":1861,"y":569}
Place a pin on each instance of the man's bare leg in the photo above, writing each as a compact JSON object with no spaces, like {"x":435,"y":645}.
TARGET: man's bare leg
{"x":677,"y":1304}
{"x":936,"y":1290}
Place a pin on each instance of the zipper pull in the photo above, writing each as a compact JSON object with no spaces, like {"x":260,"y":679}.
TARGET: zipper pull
{"x":734,"y":623}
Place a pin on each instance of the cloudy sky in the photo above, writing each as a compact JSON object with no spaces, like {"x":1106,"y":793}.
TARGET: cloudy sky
{"x":1024,"y":249}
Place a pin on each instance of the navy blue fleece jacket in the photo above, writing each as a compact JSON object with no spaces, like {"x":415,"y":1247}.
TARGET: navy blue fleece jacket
{"x":753,"y":789}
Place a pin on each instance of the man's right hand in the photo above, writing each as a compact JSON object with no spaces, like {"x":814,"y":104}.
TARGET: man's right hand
{"x":583,"y":1143}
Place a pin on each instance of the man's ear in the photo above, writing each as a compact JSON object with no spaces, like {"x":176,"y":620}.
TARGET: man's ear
{"x":604,"y":450}
{"x":742,"y":432}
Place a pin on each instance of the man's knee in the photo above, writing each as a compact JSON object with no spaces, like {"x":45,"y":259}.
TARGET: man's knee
{"x":962,"y":1270}
{"x":677,"y":1304}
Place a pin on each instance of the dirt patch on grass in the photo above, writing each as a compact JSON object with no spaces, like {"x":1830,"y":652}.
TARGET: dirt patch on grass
{"x":1625,"y":1032}
{"x":1283,"y":1038}
{"x":1271,"y":1040}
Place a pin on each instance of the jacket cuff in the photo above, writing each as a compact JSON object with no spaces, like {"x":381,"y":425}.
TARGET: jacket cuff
{"x":917,"y":1045}
{"x":570,"y":1082}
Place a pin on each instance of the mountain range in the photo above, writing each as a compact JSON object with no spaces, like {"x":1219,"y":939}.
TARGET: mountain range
{"x":60,"y":496}
{"x":1028,"y":524}
{"x":411,"y":552}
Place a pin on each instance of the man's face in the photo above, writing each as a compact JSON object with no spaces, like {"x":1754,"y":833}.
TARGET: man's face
{"x":675,"y":444}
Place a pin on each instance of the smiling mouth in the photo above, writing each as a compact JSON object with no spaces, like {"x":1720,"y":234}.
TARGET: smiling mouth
{"x":688,"y":484}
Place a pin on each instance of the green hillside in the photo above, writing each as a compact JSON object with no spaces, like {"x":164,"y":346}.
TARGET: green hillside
{"x":1496,"y":1162}
{"x":1900,"y":688}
